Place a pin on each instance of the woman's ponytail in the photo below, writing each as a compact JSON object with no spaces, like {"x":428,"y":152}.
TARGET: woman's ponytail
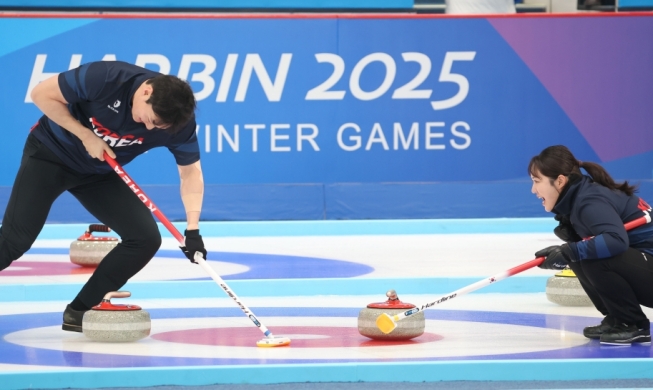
{"x":601,"y":176}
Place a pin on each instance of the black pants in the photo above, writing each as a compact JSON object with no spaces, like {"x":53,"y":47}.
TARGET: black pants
{"x":41,"y":178}
{"x":619,"y":285}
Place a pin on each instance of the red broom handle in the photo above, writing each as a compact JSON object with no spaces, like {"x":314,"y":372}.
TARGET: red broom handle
{"x":144,"y":198}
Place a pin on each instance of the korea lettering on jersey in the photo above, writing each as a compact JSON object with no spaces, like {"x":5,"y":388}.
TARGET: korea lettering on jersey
{"x":113,"y":139}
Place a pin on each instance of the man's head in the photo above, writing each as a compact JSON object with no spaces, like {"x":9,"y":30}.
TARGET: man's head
{"x":164,"y":102}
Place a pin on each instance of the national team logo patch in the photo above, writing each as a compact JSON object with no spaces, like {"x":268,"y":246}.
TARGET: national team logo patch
{"x":114,"y":139}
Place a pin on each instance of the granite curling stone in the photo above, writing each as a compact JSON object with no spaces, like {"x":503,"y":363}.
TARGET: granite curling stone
{"x":564,"y":289}
{"x":111,"y":323}
{"x":406,"y":329}
{"x":89,"y":250}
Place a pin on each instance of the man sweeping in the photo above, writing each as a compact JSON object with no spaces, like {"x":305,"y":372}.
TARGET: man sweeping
{"x":122,"y":110}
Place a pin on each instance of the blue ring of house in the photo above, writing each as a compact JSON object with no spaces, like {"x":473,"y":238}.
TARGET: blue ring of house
{"x":11,"y":353}
{"x":262,"y":266}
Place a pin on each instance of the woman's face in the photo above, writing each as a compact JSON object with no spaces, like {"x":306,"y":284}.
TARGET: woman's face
{"x":548,"y":190}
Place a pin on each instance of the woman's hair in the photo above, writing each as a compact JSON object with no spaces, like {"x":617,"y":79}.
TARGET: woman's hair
{"x":558,"y":160}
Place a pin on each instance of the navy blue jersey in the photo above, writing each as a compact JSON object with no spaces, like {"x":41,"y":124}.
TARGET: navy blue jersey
{"x":99,"y":96}
{"x":600,"y":213}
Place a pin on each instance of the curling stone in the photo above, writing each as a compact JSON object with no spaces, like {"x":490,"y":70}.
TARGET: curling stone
{"x":564,"y":289}
{"x":406,"y":329}
{"x":111,"y":323}
{"x":89,"y":250}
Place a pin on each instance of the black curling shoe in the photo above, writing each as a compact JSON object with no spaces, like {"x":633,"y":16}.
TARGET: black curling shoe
{"x":622,"y":334}
{"x":595,"y":332}
{"x":72,"y":320}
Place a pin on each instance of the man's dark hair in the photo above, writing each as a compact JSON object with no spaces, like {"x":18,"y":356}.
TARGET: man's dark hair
{"x":172,"y":101}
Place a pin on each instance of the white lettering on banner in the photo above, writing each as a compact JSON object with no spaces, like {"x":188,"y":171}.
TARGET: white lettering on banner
{"x":273,"y":90}
{"x":407,"y":91}
{"x":355,"y":138}
{"x":321,"y":92}
{"x":227,"y":76}
{"x":207,"y":137}
{"x":465,"y":136}
{"x":39,"y":75}
{"x":157,"y":59}
{"x":399,"y":134}
{"x":222,"y":133}
{"x":430,"y":135}
{"x":390,"y":72}
{"x":274,"y":137}
{"x":204,"y":77}
{"x":255,"y":129}
{"x":307,"y":137}
{"x":376,"y":136}
{"x":349,"y":136}
{"x":446,"y":75}
{"x":253,"y":64}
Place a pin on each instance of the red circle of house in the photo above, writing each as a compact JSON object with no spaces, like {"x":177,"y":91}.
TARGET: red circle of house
{"x":300,"y":336}
{"x":44,"y":268}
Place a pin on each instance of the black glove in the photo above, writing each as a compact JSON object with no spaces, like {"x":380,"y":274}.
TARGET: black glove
{"x":194,"y":243}
{"x":557,"y":257}
{"x":565,"y":231}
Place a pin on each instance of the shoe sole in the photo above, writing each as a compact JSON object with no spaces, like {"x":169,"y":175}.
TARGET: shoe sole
{"x":71,"y":328}
{"x":636,"y":340}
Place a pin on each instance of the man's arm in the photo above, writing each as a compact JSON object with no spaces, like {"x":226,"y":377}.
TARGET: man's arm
{"x":192,"y":193}
{"x":48,"y":98}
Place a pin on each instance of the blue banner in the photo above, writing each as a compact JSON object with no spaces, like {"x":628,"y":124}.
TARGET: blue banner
{"x":329,"y":100}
